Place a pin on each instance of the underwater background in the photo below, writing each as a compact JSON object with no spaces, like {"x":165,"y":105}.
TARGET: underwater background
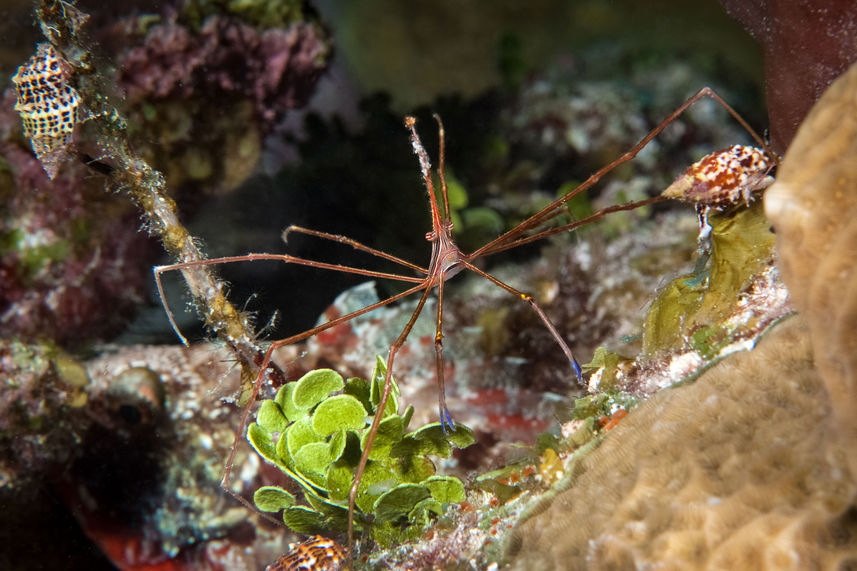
{"x":713,"y":427}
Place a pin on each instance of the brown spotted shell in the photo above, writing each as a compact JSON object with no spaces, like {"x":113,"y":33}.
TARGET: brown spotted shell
{"x":47,"y":105}
{"x":723,"y":178}
{"x":314,"y":554}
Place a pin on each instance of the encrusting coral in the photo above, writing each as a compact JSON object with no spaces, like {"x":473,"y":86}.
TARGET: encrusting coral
{"x":730,"y":471}
{"x":746,"y":467}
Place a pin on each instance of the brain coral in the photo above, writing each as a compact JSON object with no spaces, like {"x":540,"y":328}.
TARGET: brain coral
{"x":746,"y":468}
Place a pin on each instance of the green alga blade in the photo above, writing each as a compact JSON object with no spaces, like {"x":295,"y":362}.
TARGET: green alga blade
{"x":302,"y":519}
{"x":425,"y":512}
{"x":399,"y":501}
{"x":741,"y":247}
{"x":461,"y":437}
{"x":272,"y":499}
{"x":377,"y":389}
{"x":339,"y":480}
{"x":287,"y":404}
{"x":378,"y":477}
{"x":335,"y":514}
{"x":315,"y":386}
{"x":336,"y":445}
{"x":432,"y":439}
{"x":359,"y":389}
{"x":390,"y":431}
{"x":260,"y":440}
{"x":283,"y":451}
{"x":445,"y":489}
{"x":270,"y":417}
{"x":312,"y":459}
{"x":415,"y":469}
{"x":341,"y":412}
{"x":410,"y":446}
{"x":608,"y":363}
{"x":300,"y":433}
{"x":407,"y":416}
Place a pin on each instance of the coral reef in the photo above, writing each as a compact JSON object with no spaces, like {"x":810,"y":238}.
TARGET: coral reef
{"x":106,"y":137}
{"x":556,"y":131}
{"x":273,"y":69}
{"x":746,"y":466}
{"x":127,"y":444}
{"x":717,"y":473}
{"x":68,"y":250}
{"x":65,"y":259}
{"x":67,"y":275}
{"x":566,"y":124}
{"x":209,"y":90}
{"x":173,"y":508}
{"x":41,"y":415}
{"x":150,"y":477}
{"x":134,"y":444}
{"x":503,"y":375}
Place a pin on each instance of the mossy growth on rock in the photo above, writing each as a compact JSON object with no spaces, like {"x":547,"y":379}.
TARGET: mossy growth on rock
{"x":693,"y":309}
{"x":315,"y":430}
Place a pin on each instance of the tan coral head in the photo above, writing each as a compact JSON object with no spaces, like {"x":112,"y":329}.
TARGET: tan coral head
{"x":813,"y":207}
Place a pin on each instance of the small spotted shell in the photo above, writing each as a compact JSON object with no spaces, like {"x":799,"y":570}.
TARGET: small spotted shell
{"x":315,"y":554}
{"x":724,"y":177}
{"x":47,"y":105}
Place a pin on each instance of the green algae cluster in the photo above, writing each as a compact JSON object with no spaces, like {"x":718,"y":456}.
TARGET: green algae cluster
{"x":693,"y":309}
{"x":315,"y":430}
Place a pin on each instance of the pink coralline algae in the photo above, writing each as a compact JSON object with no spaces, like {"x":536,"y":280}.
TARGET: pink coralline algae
{"x":64,"y":248}
{"x":209,"y":95}
{"x":275,"y":68}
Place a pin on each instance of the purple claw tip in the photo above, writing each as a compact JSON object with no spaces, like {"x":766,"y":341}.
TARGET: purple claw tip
{"x":446,"y":421}
{"x":577,"y":370}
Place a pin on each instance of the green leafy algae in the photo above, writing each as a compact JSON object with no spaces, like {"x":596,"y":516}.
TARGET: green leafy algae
{"x":315,"y":431}
{"x":692,"y":309}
